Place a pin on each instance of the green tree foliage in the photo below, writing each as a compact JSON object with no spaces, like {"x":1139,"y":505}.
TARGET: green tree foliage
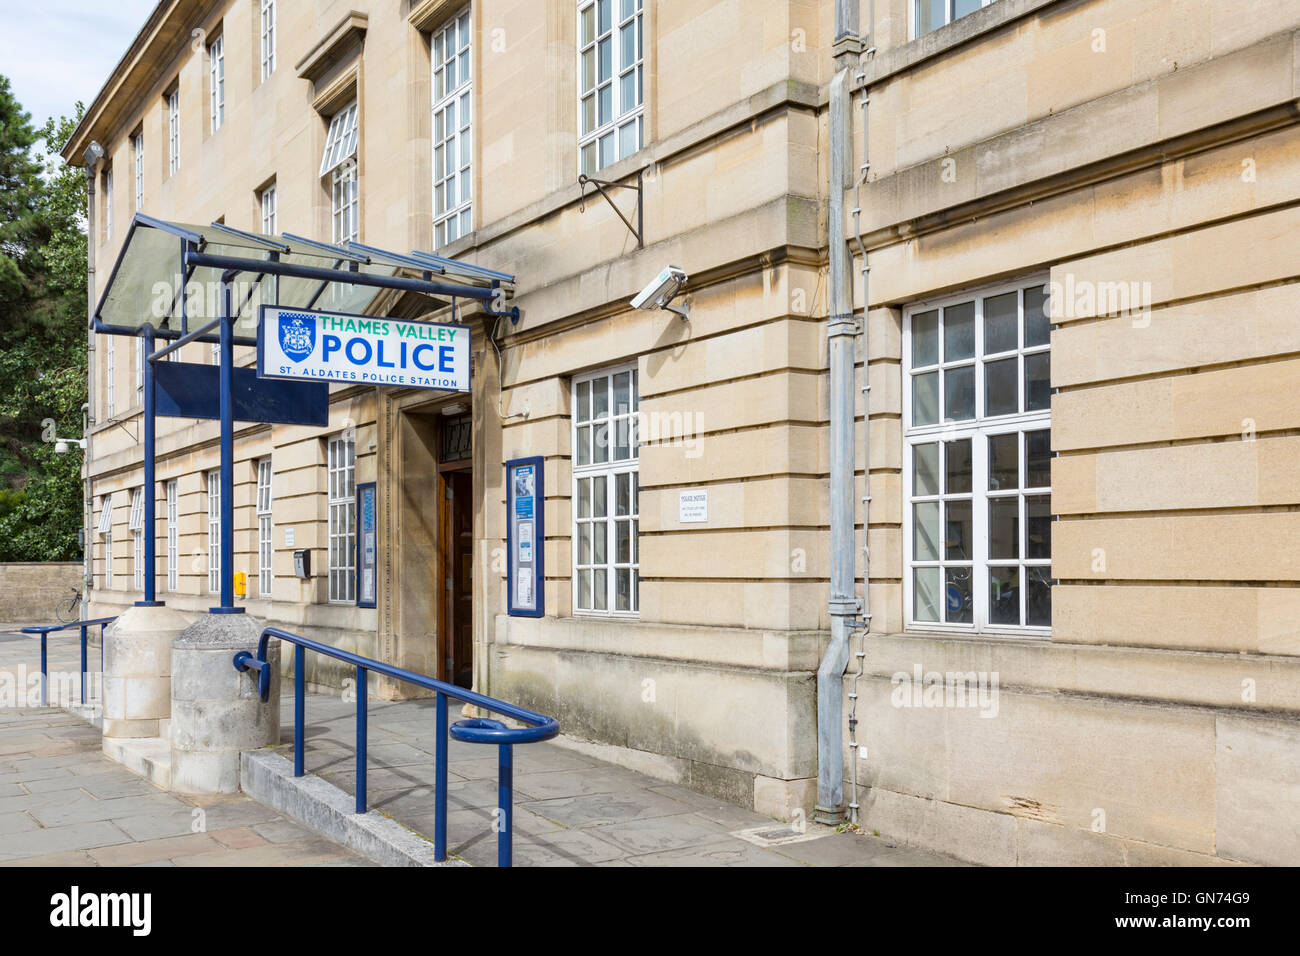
{"x":42,"y":336}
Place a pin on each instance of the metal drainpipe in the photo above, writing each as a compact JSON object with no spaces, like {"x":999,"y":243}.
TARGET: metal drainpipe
{"x":88,"y":508}
{"x":841,"y":332}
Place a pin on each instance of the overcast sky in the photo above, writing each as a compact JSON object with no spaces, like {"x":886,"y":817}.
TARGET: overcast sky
{"x":56,"y":52}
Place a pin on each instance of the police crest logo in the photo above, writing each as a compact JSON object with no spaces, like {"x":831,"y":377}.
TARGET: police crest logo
{"x":297,"y":338}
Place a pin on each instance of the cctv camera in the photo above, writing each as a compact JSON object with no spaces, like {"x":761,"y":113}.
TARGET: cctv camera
{"x":60,"y":448}
{"x":661,"y":290}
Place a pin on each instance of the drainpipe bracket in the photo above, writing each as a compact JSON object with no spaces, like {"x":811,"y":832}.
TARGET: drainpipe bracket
{"x":845,"y":607}
{"x":845,"y":324}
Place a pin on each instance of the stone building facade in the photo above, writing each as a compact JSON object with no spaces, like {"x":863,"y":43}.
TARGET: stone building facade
{"x":1076,"y":405}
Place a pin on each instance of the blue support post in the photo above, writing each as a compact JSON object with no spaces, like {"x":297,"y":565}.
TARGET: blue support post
{"x":227,"y":407}
{"x":505,"y":802}
{"x":440,"y":783}
{"x":150,"y":503}
{"x":45,"y":677}
{"x":361,"y":739}
{"x":83,"y":663}
{"x":299,"y":708}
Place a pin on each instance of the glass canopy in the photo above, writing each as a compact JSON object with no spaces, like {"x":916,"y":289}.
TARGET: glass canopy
{"x":165,"y":277}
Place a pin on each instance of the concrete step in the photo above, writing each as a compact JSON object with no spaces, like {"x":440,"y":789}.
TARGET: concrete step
{"x":150,"y":757}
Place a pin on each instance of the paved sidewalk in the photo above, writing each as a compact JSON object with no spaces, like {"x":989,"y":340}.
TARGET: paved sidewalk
{"x":570,"y":809}
{"x":63,"y":803}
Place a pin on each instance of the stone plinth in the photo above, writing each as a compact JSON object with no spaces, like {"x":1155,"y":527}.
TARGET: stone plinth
{"x":216,"y":710}
{"x":137,"y":671}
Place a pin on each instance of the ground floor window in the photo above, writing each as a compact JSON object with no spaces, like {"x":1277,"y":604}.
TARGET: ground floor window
{"x":977,"y":463}
{"x":137,"y":539}
{"x":173,"y":537}
{"x":214,"y":532}
{"x":105,"y":529}
{"x":342,"y":520}
{"x":606,"y":514}
{"x":264,"y":527}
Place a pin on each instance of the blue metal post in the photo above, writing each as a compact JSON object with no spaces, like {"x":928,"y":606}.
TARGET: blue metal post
{"x":227,"y":408}
{"x":505,"y":801}
{"x":150,"y":504}
{"x":440,"y":783}
{"x":83,"y":663}
{"x":299,"y":709}
{"x":361,"y":739}
{"x":45,"y":679}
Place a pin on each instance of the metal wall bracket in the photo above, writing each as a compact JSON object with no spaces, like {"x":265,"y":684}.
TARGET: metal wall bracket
{"x":639,"y":229}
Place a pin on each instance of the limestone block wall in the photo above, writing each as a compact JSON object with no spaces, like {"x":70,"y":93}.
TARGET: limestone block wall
{"x":29,"y":590}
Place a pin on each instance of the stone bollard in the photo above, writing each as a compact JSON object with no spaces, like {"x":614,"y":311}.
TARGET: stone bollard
{"x":216,"y":710}
{"x":137,"y":671}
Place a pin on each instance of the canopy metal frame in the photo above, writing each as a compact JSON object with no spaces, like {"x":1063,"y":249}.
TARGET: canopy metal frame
{"x":260,"y":257}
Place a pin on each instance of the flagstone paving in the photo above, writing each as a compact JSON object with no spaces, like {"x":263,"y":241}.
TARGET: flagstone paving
{"x":63,"y":803}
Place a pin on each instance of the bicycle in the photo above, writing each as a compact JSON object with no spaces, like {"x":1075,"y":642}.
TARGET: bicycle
{"x":69,"y":609}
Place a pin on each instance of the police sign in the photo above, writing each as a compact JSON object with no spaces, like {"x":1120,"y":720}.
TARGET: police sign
{"x":361,"y":349}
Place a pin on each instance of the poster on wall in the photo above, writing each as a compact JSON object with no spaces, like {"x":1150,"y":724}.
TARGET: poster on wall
{"x":367,"y":544}
{"x":524,"y":537}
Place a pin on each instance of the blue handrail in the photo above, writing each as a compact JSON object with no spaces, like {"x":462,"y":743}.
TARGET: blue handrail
{"x":44,"y":630}
{"x":540,"y":727}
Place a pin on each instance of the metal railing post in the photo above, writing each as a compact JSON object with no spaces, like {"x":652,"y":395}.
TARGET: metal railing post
{"x":84,"y":671}
{"x":505,"y":803}
{"x":299,"y":708}
{"x":361,"y":739}
{"x":45,"y":677}
{"x":440,"y":783}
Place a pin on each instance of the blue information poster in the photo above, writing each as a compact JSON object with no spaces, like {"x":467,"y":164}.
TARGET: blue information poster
{"x":367,"y":544}
{"x":524,"y":537}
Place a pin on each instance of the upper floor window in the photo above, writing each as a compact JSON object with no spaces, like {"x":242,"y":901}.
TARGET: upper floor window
{"x":174,"y":131}
{"x":452,"y":145}
{"x":929,"y":15}
{"x":137,"y":159}
{"x":105,"y":528}
{"x":977,"y":463}
{"x":267,"y":201}
{"x":339,"y":166}
{"x":110,"y":373}
{"x":611,"y":64}
{"x":108,"y":204}
{"x":268,"y":38}
{"x":606,"y":514}
{"x":217,"y":82}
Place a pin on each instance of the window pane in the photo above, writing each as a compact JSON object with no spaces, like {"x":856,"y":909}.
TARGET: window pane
{"x":957,"y":532}
{"x":963,"y":7}
{"x":930,"y":15}
{"x":600,"y":444}
{"x":959,"y":393}
{"x":600,"y":589}
{"x":1038,"y":452}
{"x":622,"y":494}
{"x":622,"y":542}
{"x":1038,"y":518}
{"x":1000,"y":321}
{"x":925,"y":469}
{"x":1038,"y":598}
{"x":1004,"y":462}
{"x":600,"y":505}
{"x":1037,"y":326}
{"x":600,"y":397}
{"x":926,"y":594}
{"x":925,"y":534}
{"x":1000,"y":396}
{"x":957,"y":462}
{"x":1004,"y":527}
{"x":584,"y":544}
{"x":1004,"y":596}
{"x":1038,"y":388}
{"x":958,"y":606}
{"x":959,"y":332}
{"x":584,"y":590}
{"x":925,"y":398}
{"x":925,"y":339}
{"x":600,"y":542}
{"x":584,"y":445}
{"x":584,"y":498}
{"x":622,"y":590}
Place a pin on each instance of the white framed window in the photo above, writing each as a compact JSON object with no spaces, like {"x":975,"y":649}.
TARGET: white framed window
{"x":139,"y":371}
{"x":137,"y":160}
{"x":267,"y":201}
{"x":137,"y":539}
{"x":174,"y":131}
{"x":214,"y":532}
{"x":611,"y":82}
{"x":341,"y":140}
{"x":268,"y":38}
{"x":606,"y":486}
{"x":173,"y":536}
{"x":338,"y":165}
{"x":108,"y":204}
{"x":929,"y":15}
{"x":106,"y":530}
{"x":452,"y":139}
{"x":977,"y":462}
{"x":341,"y":461}
{"x":264,"y":555}
{"x":110,"y":374}
{"x":217,"y":83}
{"x":343,"y":203}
